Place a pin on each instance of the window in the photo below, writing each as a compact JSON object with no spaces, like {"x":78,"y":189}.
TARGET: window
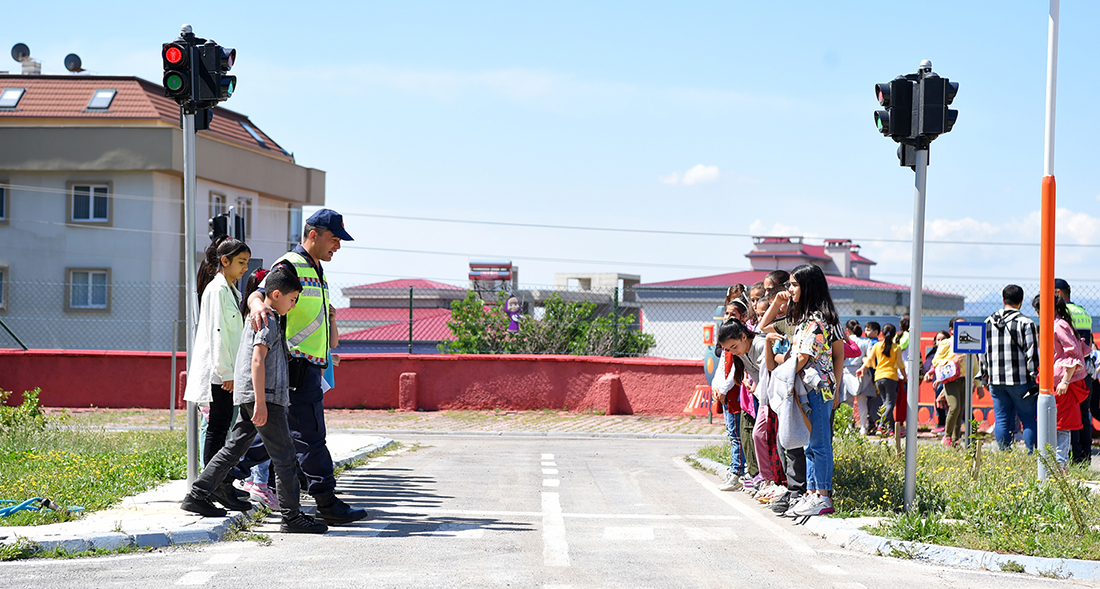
{"x":3,"y":288}
{"x":217,"y":204}
{"x":244,"y":209}
{"x":294,"y":227}
{"x":3,"y":203}
{"x":9,"y":97}
{"x":89,"y":289}
{"x":102,"y":99}
{"x":255,"y":135}
{"x":90,"y":203}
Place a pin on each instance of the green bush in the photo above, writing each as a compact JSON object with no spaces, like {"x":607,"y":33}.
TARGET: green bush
{"x":26,"y":415}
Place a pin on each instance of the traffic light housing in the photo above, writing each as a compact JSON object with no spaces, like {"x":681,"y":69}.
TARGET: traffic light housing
{"x":177,"y":60}
{"x":936,"y":95}
{"x":213,"y":83}
{"x":219,"y":226}
{"x":896,"y":98}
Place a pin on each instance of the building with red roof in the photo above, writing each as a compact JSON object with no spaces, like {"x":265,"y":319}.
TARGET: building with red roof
{"x":91,"y":174}
{"x":674,"y":310}
{"x":379,"y":316}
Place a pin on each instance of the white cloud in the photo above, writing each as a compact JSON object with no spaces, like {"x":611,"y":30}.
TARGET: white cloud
{"x":700,"y":174}
{"x":697,"y":174}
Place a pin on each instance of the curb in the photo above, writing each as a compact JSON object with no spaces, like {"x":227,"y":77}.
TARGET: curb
{"x":846,"y":534}
{"x":207,"y":530}
{"x":506,"y":434}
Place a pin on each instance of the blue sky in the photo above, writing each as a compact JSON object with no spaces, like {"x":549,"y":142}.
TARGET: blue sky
{"x":730,"y":117}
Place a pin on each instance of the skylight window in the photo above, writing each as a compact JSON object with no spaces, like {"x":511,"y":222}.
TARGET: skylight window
{"x":255,"y":135}
{"x":102,"y":98}
{"x":9,"y":97}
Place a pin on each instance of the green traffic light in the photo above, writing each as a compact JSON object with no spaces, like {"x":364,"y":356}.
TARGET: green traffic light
{"x":173,"y":82}
{"x":232,"y":85}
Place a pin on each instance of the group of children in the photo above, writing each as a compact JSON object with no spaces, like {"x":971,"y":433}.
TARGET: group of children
{"x":781,"y":352}
{"x":239,"y":368}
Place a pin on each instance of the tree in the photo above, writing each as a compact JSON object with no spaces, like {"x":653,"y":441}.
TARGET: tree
{"x":565,"y":328}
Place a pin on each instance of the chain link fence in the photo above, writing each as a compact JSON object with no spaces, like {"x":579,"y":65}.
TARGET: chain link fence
{"x":655,"y":321}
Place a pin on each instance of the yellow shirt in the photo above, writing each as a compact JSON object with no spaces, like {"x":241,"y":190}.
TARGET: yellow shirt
{"x":885,"y":366}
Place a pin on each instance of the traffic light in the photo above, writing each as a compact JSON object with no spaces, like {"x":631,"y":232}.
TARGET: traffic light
{"x":214,"y":85}
{"x":936,"y":94}
{"x":219,"y":226}
{"x":896,"y":97}
{"x":177,"y":70}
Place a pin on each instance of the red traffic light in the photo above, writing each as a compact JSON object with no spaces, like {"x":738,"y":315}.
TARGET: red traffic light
{"x":882,"y":93}
{"x":173,"y":54}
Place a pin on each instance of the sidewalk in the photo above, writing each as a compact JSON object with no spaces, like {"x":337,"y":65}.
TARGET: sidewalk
{"x":846,"y":533}
{"x":154,"y":519}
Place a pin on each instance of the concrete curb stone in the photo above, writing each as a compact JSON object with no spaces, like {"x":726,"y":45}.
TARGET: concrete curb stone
{"x":204,"y":530}
{"x":846,"y":534}
{"x":572,"y":435}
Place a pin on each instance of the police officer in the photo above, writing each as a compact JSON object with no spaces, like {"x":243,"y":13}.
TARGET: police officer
{"x":1080,"y":440}
{"x":310,"y":330}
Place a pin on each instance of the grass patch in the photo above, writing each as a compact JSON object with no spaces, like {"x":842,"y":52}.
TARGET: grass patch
{"x":1012,"y":566}
{"x":87,"y":467}
{"x":999,"y":506}
{"x":371,"y":456}
{"x":242,"y":531}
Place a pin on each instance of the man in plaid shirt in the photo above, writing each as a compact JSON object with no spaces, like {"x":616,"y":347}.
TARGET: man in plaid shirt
{"x":1010,"y":366}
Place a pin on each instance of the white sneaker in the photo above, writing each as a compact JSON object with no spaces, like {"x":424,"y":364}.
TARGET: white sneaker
{"x":732,"y":483}
{"x":815,"y":505}
{"x":792,"y":509}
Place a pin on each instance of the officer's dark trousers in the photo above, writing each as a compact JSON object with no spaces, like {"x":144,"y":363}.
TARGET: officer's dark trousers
{"x":306,"y":417}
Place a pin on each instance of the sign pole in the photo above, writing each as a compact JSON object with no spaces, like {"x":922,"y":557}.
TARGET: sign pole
{"x":1047,"y":408}
{"x":968,"y":401}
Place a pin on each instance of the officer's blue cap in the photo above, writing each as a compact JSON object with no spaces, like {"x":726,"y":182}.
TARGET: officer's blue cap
{"x":331,"y":220}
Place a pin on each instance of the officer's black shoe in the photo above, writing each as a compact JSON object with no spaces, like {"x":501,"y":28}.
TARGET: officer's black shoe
{"x":302,"y":524}
{"x":335,"y":512}
{"x":224,"y":494}
{"x":201,"y":506}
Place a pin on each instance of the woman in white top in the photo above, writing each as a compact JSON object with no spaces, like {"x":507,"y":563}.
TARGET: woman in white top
{"x":217,"y":338}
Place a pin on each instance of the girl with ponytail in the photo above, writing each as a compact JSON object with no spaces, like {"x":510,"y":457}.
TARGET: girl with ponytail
{"x":217,"y":338}
{"x":885,"y":359}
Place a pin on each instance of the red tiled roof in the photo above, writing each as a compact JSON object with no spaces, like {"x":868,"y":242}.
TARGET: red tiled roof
{"x":407,"y":282}
{"x":388,"y":314}
{"x":750,"y":277}
{"x":66,"y":97}
{"x":809,"y":251}
{"x":431,"y":328}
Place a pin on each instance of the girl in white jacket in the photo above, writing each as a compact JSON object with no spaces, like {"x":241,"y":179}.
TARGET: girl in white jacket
{"x":217,"y":338}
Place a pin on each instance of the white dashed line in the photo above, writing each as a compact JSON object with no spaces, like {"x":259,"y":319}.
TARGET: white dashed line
{"x":547,"y":456}
{"x":549,"y":471}
{"x":458,"y":531}
{"x":551,"y":482}
{"x":224,"y":558}
{"x":709,"y":533}
{"x":632,"y":533}
{"x":555,"y":550}
{"x":196,"y":578}
{"x":550,"y":463}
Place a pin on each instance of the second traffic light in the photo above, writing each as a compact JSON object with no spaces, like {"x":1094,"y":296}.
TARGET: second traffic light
{"x":213,"y":84}
{"x":896,"y":97}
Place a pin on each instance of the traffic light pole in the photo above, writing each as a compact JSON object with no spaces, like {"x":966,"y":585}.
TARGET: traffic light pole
{"x":189,"y":182}
{"x":915,"y":306}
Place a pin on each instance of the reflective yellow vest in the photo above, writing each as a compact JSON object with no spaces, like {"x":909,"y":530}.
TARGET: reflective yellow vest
{"x":307,"y":325}
{"x":1082,"y":321}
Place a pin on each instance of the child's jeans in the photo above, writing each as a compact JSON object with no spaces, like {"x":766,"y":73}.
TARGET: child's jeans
{"x":1062,"y":450}
{"x":276,"y":436}
{"x":733,"y":432}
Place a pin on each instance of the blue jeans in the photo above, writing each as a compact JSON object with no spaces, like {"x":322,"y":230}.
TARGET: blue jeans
{"x":819,"y":452}
{"x":1008,"y":404}
{"x":733,"y":432}
{"x":1062,"y":452}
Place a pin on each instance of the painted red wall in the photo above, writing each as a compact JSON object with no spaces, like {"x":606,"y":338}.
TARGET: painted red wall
{"x":71,"y":378}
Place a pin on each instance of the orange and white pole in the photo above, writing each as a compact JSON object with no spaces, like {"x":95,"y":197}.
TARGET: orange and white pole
{"x":1047,"y":407}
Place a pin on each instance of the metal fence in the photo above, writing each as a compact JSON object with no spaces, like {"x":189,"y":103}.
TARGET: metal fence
{"x":656,"y":321}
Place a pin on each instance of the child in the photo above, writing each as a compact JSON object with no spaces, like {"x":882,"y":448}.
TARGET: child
{"x":722,"y":386}
{"x":1069,"y":376}
{"x":262,"y":366}
{"x":210,"y":379}
{"x":885,"y":359}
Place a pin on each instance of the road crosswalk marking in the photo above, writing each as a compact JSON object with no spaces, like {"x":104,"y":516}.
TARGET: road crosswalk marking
{"x":224,"y":558}
{"x":196,"y":578}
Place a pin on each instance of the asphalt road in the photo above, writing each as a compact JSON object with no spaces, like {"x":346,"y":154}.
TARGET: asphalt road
{"x":492,"y":511}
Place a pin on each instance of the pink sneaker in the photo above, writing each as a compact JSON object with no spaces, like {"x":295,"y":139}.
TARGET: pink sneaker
{"x":261,"y":493}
